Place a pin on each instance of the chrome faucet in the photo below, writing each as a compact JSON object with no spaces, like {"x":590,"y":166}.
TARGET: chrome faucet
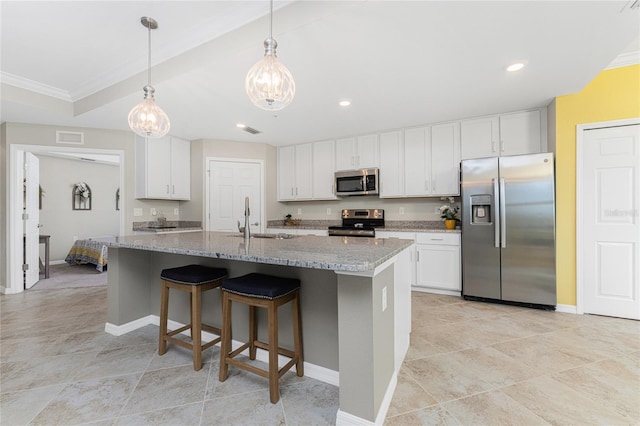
{"x":247,"y":213}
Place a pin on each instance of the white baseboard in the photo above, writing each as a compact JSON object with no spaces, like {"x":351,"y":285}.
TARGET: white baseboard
{"x":567,"y":309}
{"x":436,"y":291}
{"x":57,"y":262}
{"x":313,"y":371}
{"x":346,"y":419}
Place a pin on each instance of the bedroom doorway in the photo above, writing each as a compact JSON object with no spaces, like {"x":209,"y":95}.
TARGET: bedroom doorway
{"x":15,"y":276}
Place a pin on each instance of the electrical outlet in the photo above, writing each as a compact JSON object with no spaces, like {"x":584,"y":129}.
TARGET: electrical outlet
{"x":176,"y":211}
{"x":328,"y":210}
{"x":299,"y":211}
{"x":137,"y":211}
{"x":401,"y":210}
{"x":153,"y":211}
{"x":384,"y":298}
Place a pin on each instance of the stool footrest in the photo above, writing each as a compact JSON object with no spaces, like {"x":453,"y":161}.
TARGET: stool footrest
{"x":281,"y":351}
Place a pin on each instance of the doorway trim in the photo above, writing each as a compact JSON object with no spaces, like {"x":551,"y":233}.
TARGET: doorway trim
{"x":580,"y":129}
{"x":13,"y":210}
{"x":207,"y":178}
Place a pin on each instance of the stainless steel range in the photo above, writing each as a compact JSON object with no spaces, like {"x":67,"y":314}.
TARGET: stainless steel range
{"x":359,"y":223}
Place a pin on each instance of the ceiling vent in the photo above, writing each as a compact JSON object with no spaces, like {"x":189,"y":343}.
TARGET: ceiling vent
{"x":72,"y":138}
{"x":251,"y":130}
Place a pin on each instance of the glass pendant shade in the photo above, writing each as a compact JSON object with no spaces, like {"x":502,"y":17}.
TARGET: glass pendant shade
{"x":147,"y":119}
{"x":269,"y":83}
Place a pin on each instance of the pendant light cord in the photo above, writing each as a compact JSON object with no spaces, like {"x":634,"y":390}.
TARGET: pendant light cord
{"x":271,"y":21}
{"x":149,"y":56}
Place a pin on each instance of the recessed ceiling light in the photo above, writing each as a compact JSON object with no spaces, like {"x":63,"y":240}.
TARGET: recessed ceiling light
{"x":241,"y":126}
{"x":344,"y":103}
{"x":515,"y":67}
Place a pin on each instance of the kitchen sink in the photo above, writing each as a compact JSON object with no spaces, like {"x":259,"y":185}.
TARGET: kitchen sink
{"x":272,"y":236}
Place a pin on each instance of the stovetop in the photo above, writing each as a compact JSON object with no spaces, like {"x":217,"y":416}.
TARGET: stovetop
{"x":359,"y":223}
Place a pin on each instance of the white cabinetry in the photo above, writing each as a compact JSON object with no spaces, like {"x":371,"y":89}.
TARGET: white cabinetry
{"x":391,"y":164}
{"x":506,"y":134}
{"x":295,"y":172}
{"x":163,"y":168}
{"x":432,"y":160}
{"x":438,"y":262}
{"x":520,"y":133}
{"x":324,"y":166}
{"x":404,"y":236}
{"x":359,"y":152}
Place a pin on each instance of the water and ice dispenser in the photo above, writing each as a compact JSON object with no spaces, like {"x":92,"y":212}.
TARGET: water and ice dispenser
{"x":481,"y":209}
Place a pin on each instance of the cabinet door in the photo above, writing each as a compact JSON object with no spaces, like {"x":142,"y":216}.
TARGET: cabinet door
{"x":391,"y":164}
{"x":367,"y":152}
{"x":479,"y":137}
{"x":416,"y":167}
{"x":286,"y":173}
{"x":439,"y":267}
{"x":520,"y":133}
{"x":445,"y":159}
{"x":324,"y":158}
{"x":158,"y":165}
{"x":345,"y":158}
{"x":180,"y":169}
{"x":303,"y":171}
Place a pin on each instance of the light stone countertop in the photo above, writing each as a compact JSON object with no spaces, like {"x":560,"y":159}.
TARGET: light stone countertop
{"x":349,"y":254}
{"x":390,"y":225}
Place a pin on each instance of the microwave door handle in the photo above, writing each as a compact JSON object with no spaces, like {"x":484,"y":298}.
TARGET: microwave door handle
{"x":496,"y":214}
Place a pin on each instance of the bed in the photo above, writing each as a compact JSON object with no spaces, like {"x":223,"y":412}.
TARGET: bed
{"x":92,"y":250}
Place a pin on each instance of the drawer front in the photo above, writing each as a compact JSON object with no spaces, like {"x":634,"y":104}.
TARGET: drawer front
{"x":396,"y":234}
{"x":438,"y":238}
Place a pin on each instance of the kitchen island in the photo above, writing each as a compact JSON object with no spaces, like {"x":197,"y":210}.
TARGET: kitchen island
{"x":355,"y":301}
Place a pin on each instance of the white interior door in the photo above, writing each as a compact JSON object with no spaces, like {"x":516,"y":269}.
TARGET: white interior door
{"x":229,"y":183}
{"x":31,"y":219}
{"x":610,"y":182}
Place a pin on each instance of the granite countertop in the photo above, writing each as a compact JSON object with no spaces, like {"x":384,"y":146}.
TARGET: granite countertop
{"x":350,"y":254}
{"x":171,"y":226}
{"x":390,"y":225}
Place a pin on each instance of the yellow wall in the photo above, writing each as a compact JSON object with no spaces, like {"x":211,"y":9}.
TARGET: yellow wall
{"x":613,"y":95}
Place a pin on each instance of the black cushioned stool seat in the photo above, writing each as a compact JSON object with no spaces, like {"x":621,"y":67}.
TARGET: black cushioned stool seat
{"x":194,"y":279}
{"x":262,"y":291}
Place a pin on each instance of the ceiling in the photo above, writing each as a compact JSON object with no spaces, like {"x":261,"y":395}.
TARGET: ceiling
{"x":402,"y":63}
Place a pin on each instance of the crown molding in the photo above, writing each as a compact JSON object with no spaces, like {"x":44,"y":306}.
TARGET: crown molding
{"x":34,"y":86}
{"x":625,"y":59}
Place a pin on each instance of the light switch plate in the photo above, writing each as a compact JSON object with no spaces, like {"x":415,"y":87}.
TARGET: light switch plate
{"x":384,"y":298}
{"x":176,"y":211}
{"x":137,"y":211}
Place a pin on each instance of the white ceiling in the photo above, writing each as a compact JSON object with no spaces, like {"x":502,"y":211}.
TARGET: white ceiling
{"x":403,"y":63}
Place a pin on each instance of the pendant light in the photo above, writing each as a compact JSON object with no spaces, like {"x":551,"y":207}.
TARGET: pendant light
{"x":147,"y":119}
{"x":269,"y":83}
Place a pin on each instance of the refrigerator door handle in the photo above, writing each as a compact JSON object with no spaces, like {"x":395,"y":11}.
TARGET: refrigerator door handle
{"x":503,"y":215}
{"x":496,"y":214}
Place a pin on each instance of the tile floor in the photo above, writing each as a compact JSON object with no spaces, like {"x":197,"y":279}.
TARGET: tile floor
{"x":470,"y":363}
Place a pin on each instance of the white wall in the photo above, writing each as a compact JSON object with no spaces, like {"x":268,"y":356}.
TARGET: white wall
{"x":58,"y":219}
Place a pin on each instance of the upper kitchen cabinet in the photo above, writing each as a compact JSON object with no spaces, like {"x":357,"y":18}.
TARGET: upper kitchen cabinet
{"x":522,"y":132}
{"x":391,"y":164}
{"x":295,"y":172}
{"x":432,"y":160}
{"x":480,"y":137}
{"x":163,"y":168}
{"x":445,"y":159}
{"x":324,"y":166}
{"x":357,"y":152}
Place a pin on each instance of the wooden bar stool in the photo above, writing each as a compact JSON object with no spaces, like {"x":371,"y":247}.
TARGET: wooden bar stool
{"x":193,"y":279}
{"x":262,"y":291}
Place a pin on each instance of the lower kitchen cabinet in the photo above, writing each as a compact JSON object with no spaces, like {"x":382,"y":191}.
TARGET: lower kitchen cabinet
{"x":438,"y":262}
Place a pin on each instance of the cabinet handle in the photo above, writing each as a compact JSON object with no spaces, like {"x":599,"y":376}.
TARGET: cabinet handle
{"x":436,"y":239}
{"x":167,"y":189}
{"x":417,"y":256}
{"x":493,"y":146}
{"x":292,"y":191}
{"x":174,"y":190}
{"x":501,"y":146}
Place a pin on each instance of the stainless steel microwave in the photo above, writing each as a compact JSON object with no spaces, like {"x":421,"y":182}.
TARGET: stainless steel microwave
{"x":357,"y":182}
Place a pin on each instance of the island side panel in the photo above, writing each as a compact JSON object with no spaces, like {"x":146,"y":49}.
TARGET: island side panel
{"x":128,"y":285}
{"x":318,"y":301}
{"x":366,"y":342}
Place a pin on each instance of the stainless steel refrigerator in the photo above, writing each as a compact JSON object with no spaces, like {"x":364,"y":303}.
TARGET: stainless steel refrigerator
{"x":508,"y":229}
